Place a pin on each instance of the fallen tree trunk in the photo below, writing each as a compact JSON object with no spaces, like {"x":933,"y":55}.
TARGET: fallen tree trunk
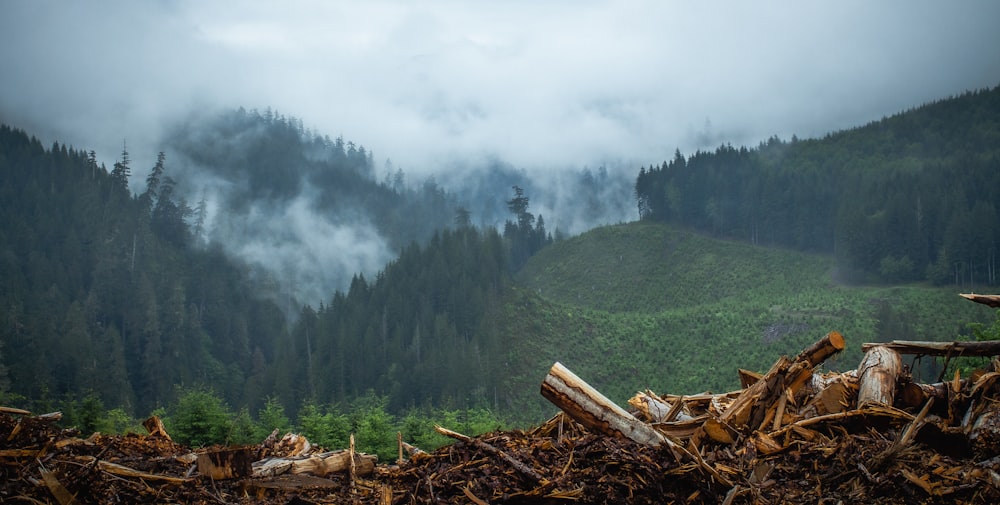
{"x":915,"y":394}
{"x":316,"y":464}
{"x":984,"y":348}
{"x":877,"y":375}
{"x":988,"y":300}
{"x":592,"y":409}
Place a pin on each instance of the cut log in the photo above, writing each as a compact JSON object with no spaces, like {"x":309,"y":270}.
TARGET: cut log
{"x":954,"y":349}
{"x":592,"y":409}
{"x":915,"y":394}
{"x":877,"y":375}
{"x":316,"y":464}
{"x":988,"y":300}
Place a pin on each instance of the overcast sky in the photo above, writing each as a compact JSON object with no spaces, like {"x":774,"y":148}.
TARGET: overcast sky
{"x":541,"y":84}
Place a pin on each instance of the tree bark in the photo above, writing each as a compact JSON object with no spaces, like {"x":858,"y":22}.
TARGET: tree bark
{"x":877,"y":375}
{"x":316,"y":464}
{"x":988,"y":300}
{"x":592,"y":409}
{"x":985,"y":348}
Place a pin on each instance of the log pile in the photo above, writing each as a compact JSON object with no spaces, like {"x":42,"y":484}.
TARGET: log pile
{"x":789,"y":435}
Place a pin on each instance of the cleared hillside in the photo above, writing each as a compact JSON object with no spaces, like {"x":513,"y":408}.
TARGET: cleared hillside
{"x":649,"y":267}
{"x":645,"y":305}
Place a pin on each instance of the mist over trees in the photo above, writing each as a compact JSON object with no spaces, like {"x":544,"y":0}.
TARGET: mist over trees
{"x":311,"y":212}
{"x":101,"y":291}
{"x":123,"y":297}
{"x":273,"y":264}
{"x":911,"y":197}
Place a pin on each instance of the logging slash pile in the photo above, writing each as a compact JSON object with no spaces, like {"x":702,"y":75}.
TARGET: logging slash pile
{"x":789,"y":435}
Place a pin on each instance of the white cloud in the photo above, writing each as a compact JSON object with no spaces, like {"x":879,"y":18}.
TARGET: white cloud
{"x":540,"y":84}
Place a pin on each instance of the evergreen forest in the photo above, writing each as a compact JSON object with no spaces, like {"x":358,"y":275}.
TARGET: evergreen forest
{"x":122,"y":293}
{"x":912,"y":197}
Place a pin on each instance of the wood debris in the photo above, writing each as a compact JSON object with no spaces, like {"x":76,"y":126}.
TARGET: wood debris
{"x":789,"y":435}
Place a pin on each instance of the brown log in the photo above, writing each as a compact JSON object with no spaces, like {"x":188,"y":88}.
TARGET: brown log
{"x":988,"y":300}
{"x":825,"y":347}
{"x":758,"y":402}
{"x":593,"y":410}
{"x":984,"y":348}
{"x":915,"y":394}
{"x":332,"y":462}
{"x":877,"y":375}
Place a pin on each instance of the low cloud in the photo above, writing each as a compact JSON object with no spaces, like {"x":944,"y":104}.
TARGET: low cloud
{"x":445,"y":89}
{"x":554,"y":84}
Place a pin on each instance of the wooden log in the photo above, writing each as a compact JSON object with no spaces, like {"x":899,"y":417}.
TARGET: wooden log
{"x":877,"y":375}
{"x":915,"y":394}
{"x":317,"y":464}
{"x":593,"y":410}
{"x":988,"y":300}
{"x":825,"y":347}
{"x":956,"y":348}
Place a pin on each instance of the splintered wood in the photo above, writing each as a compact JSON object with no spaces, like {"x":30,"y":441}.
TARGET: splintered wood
{"x":793,"y":434}
{"x":789,"y":435}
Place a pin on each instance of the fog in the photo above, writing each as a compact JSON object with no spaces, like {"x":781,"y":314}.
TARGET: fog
{"x":537,"y":84}
{"x":446,"y":88}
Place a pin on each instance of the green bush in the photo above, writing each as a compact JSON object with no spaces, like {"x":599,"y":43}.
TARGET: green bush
{"x":201,"y":418}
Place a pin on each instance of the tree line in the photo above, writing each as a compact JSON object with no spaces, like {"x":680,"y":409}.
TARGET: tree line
{"x":912,"y":197}
{"x":120,"y":296}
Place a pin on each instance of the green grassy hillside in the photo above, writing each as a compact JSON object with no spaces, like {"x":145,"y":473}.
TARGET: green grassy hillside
{"x":643,"y":305}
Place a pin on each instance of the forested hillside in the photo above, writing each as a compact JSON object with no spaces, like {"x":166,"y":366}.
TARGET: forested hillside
{"x":911,"y":197}
{"x":115,"y":287}
{"x":101,"y":291}
{"x":646,"y":304}
{"x":125,"y":297}
{"x":310,"y":212}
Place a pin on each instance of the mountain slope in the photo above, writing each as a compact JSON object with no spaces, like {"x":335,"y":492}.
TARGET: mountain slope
{"x":645,"y":305}
{"x":911,"y":197}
